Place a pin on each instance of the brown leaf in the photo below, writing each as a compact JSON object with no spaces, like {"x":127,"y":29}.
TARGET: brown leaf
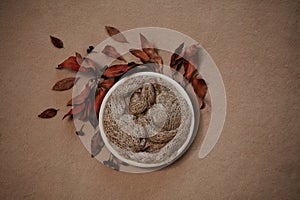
{"x":112,"y":52}
{"x":64,"y":84}
{"x":79,"y":58}
{"x":116,"y":34}
{"x":49,"y":113}
{"x":140,"y":54}
{"x":57,"y":42}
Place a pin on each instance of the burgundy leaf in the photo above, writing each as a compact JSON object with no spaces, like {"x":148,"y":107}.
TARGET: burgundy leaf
{"x":112,"y":52}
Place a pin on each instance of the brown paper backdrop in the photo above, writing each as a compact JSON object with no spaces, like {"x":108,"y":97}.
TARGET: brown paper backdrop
{"x":256,"y":47}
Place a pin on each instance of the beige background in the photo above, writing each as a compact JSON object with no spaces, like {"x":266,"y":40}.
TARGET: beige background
{"x":256,"y":47}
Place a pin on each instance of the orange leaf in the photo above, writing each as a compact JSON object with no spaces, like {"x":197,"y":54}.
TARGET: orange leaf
{"x":200,"y":88}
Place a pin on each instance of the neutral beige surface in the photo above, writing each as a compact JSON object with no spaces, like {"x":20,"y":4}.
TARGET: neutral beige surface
{"x":256,"y":47}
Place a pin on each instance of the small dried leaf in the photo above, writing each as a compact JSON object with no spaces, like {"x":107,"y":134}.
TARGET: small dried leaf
{"x":64,"y":84}
{"x":96,"y":144}
{"x":73,"y":63}
{"x":116,"y":70}
{"x":82,"y":97}
{"x":79,"y":58}
{"x":116,"y":34}
{"x":98,"y":101}
{"x":49,"y":113}
{"x":107,"y":83}
{"x":176,"y":55}
{"x":140,"y":54}
{"x":189,"y":70}
{"x":112,"y":52}
{"x":200,"y":88}
{"x":56,"y":42}
{"x":90,"y":49}
{"x":75,"y":110}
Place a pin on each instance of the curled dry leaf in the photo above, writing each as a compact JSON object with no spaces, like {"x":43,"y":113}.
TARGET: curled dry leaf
{"x":96,"y":144}
{"x":116,"y":34}
{"x":140,"y":54}
{"x":112,"y":52}
{"x":64,"y":84}
{"x":49,"y":113}
{"x":189,"y":69}
{"x":57,"y":42}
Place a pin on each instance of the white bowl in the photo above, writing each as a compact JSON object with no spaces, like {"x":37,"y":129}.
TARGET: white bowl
{"x":178,"y":152}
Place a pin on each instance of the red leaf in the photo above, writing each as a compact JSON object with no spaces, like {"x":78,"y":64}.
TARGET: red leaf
{"x":112,"y":52}
{"x":49,"y":113}
{"x":116,"y":34}
{"x":57,"y":42}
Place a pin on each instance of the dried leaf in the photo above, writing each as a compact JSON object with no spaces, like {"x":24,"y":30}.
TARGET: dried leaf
{"x":57,"y":42}
{"x":98,"y":101}
{"x":176,"y":55}
{"x":200,"y":88}
{"x":79,"y":58}
{"x":49,"y":113}
{"x":82,"y":97}
{"x":72,"y":63}
{"x":86,"y":112}
{"x":107,"y":83}
{"x":140,"y":54}
{"x":116,"y":70}
{"x":75,"y":110}
{"x":116,"y":34}
{"x":189,"y":70}
{"x":112,"y":52}
{"x":64,"y":84}
{"x":96,"y":144}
